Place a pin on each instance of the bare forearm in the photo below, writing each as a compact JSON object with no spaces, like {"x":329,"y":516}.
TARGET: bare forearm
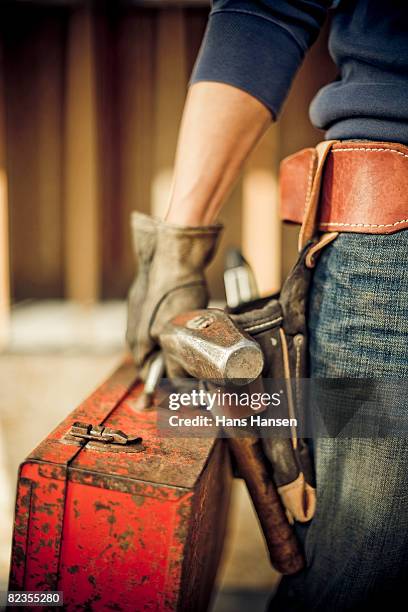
{"x":221,"y":125}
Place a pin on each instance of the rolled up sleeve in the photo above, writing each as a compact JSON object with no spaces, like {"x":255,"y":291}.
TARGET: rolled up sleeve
{"x":258,"y":45}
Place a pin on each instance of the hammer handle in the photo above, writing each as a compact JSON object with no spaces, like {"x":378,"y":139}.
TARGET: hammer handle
{"x":284,"y":550}
{"x":209,"y":346}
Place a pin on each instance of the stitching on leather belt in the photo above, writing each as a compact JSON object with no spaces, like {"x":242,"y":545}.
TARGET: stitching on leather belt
{"x":366,"y":150}
{"x":363,"y":224}
{"x":297,"y":361}
{"x":292,"y":209}
{"x":371,"y":150}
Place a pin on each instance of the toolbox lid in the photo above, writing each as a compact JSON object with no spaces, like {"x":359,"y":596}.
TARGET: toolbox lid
{"x":172,"y":461}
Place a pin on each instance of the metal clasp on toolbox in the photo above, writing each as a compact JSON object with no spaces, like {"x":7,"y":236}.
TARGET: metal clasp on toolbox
{"x":81,"y":433}
{"x":102,"y":434}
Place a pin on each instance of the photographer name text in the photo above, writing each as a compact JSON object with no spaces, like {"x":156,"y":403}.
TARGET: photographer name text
{"x":224,"y":421}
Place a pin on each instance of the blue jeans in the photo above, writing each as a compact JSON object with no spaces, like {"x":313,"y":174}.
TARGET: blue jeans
{"x":356,"y":546}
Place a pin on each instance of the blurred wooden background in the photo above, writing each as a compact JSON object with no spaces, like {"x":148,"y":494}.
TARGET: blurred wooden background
{"x":91,"y":95}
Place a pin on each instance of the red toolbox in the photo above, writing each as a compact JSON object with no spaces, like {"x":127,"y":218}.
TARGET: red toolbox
{"x":121,"y":527}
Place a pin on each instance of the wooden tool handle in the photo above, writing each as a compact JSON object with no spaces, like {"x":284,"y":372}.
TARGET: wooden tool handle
{"x":284,"y":550}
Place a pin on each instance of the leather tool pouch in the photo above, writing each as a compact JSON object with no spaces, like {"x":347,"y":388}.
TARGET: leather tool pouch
{"x":278,"y":324}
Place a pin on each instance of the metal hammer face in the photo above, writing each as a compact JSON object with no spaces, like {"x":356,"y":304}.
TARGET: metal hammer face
{"x":209,"y":346}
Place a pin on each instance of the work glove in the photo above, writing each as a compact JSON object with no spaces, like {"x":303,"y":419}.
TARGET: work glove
{"x":278,"y":324}
{"x":170,"y":280}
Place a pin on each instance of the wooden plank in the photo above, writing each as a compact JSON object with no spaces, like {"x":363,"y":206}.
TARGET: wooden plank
{"x":33,"y":59}
{"x":136,"y":55}
{"x":4,"y":230}
{"x":261,"y":233}
{"x":125,"y":69}
{"x":4,"y":262}
{"x":82,"y":261}
{"x":171,"y":88}
{"x":49,"y":104}
{"x":108,"y":150}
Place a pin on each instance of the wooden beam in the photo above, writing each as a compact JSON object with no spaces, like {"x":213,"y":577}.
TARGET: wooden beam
{"x":135,"y":128}
{"x":33,"y":60}
{"x":49,"y":166}
{"x":82,"y":261}
{"x":261,"y":227}
{"x":171,"y":86}
{"x":4,"y":228}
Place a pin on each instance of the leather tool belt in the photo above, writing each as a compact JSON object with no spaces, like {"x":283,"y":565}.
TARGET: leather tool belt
{"x":336,"y":187}
{"x":362,"y":187}
{"x":278,"y":324}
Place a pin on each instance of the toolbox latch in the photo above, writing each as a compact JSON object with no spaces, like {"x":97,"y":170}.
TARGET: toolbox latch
{"x":99,"y":433}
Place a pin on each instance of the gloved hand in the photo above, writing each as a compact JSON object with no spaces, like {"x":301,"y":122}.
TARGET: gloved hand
{"x":170,"y":280}
{"x":278,"y":324}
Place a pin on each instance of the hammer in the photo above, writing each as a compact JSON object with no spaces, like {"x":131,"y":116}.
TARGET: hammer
{"x":209,"y":346}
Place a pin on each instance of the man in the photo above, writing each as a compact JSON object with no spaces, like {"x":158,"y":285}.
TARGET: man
{"x":356,"y":546}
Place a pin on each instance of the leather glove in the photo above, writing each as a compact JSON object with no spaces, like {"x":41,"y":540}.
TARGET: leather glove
{"x":170,"y":280}
{"x":278,"y":323}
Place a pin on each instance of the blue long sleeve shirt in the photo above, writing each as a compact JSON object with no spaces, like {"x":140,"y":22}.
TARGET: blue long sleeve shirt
{"x":258,"y":45}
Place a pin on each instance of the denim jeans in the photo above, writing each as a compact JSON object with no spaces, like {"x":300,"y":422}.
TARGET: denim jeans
{"x":356,"y":546}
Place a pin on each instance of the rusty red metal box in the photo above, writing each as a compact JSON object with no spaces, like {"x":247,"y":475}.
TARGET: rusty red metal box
{"x":117,"y":527}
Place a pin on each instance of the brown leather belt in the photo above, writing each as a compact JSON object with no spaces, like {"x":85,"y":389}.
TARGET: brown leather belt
{"x":364,"y":187}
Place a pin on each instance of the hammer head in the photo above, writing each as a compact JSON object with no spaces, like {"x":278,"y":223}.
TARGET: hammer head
{"x":209,"y":346}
